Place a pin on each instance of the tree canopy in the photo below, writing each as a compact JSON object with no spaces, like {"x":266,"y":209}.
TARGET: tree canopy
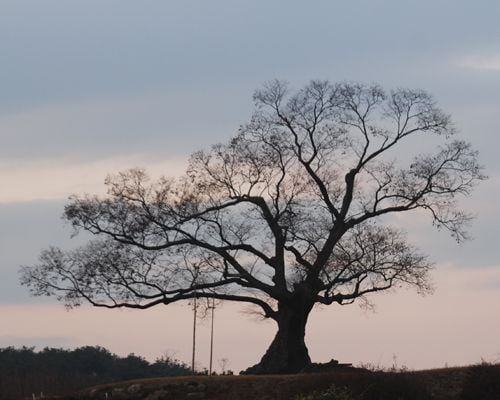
{"x":24,"y":371}
{"x":289,"y":213}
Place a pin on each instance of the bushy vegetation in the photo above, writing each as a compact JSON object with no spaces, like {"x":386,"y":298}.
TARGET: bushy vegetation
{"x":24,"y":371}
{"x":476,"y":382}
{"x":483,"y":382}
{"x":332,"y":393}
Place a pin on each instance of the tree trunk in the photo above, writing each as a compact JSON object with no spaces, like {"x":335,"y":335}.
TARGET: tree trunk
{"x":287,"y":353}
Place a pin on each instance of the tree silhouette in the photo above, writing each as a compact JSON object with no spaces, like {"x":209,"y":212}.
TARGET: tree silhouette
{"x":290,"y":213}
{"x":51,"y":371}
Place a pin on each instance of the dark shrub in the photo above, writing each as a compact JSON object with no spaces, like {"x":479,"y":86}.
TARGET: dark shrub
{"x":396,"y":386}
{"x":482,"y":383}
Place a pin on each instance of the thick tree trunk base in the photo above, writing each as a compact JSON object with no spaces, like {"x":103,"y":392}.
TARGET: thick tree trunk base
{"x":287,"y":353}
{"x":276,"y":362}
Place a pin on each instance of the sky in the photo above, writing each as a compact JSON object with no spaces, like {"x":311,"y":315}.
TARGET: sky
{"x":92,"y":87}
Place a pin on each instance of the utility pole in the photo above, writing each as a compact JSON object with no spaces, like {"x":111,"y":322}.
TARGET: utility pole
{"x":212,"y":307}
{"x":195,"y":305}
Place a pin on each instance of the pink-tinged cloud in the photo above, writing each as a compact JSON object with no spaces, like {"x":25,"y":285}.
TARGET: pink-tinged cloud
{"x":57,"y":179}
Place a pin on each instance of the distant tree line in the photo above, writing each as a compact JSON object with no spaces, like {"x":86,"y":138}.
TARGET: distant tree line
{"x":24,"y":371}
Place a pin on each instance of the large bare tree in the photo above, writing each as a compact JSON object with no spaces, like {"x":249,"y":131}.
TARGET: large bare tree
{"x":290,"y":213}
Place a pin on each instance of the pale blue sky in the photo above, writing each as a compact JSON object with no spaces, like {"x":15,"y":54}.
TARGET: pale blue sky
{"x":214,"y":54}
{"x":91,"y":86}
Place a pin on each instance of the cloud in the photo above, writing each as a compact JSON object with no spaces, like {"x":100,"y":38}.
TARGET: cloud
{"x":481,"y":62}
{"x":161,"y":124}
{"x":57,"y":179}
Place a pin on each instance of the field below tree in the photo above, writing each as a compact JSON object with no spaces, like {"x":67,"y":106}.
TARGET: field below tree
{"x":478,"y":382}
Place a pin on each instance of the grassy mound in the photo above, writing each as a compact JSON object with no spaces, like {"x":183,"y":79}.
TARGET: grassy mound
{"x":480,"y":382}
